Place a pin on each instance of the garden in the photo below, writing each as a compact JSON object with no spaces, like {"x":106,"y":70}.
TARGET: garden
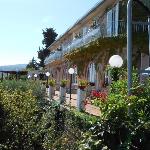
{"x":28,"y":121}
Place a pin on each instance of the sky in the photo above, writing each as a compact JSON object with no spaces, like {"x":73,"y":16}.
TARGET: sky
{"x":22,"y":21}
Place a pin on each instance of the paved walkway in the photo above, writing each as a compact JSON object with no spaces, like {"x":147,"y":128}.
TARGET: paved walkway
{"x":88,"y":108}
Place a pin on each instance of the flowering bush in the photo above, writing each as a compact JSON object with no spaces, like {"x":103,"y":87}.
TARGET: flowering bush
{"x":99,"y":95}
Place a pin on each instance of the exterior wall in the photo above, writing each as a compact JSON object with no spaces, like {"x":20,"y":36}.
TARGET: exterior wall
{"x":97,"y":19}
{"x":104,"y":20}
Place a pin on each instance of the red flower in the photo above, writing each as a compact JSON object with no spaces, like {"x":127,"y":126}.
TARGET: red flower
{"x":99,"y":95}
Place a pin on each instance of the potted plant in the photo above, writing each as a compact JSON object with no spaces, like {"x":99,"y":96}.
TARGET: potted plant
{"x":63,"y":83}
{"x":82,"y":84}
{"x":52,"y":82}
{"x":51,"y":91}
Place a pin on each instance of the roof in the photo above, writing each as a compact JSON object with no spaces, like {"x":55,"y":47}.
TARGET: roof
{"x":16,"y":72}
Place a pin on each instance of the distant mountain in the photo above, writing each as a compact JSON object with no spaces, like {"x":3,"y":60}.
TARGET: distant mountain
{"x":18,"y":67}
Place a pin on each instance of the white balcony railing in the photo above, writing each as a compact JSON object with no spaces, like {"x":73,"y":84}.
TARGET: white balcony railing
{"x":53,"y":57}
{"x":85,"y":39}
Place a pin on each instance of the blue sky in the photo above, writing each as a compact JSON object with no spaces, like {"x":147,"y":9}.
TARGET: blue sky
{"x":22,"y":21}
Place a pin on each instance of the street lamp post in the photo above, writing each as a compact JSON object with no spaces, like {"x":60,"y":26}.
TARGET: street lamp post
{"x":116,"y":61}
{"x":71,"y":72}
{"x":35,"y":76}
{"x":47,"y":75}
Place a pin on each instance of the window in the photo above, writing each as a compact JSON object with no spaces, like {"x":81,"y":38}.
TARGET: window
{"x":91,"y":73}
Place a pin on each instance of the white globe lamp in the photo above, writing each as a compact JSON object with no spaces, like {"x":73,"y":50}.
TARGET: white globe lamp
{"x":29,"y":76}
{"x":116,"y":61}
{"x":35,"y":75}
{"x":71,"y":71}
{"x":47,"y":74}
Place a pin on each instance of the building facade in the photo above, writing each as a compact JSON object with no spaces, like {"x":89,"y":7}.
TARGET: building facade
{"x":89,"y":43}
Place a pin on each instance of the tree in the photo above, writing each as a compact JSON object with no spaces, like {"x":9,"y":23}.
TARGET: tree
{"x":42,"y":54}
{"x":33,"y":65}
{"x":49,"y":35}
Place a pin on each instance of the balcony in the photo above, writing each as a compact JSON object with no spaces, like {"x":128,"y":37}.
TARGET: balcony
{"x":57,"y":55}
{"x":93,"y":34}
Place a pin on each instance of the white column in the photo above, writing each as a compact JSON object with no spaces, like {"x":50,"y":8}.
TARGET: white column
{"x":51,"y":92}
{"x":62,"y":94}
{"x":81,"y":94}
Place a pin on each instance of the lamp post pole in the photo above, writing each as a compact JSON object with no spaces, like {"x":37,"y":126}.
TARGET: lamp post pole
{"x":47,"y":76}
{"x":70,"y":89}
{"x":47,"y":81}
{"x":129,"y":45}
{"x":71,"y":72}
{"x":35,"y":76}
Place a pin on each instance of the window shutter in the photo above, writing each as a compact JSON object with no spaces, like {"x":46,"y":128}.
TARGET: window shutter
{"x":109,"y":23}
{"x":116,"y":19}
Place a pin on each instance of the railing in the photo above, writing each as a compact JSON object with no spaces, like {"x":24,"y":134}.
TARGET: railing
{"x":122,"y":27}
{"x":85,"y":39}
{"x":91,"y":35}
{"x":57,"y":55}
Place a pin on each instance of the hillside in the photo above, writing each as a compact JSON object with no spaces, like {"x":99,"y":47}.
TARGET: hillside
{"x":17,"y":67}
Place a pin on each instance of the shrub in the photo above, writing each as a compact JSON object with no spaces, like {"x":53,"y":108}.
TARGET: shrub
{"x":19,"y":102}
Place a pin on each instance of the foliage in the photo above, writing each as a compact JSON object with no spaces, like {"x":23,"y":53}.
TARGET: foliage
{"x":21,"y":111}
{"x":35,"y":87}
{"x":124,"y":119}
{"x":42,"y":54}
{"x":49,"y":36}
{"x":52,"y":82}
{"x":27,"y":125}
{"x":63,"y":83}
{"x":30,"y":122}
{"x":33,"y":65}
{"x":82,"y":83}
{"x":98,"y":97}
